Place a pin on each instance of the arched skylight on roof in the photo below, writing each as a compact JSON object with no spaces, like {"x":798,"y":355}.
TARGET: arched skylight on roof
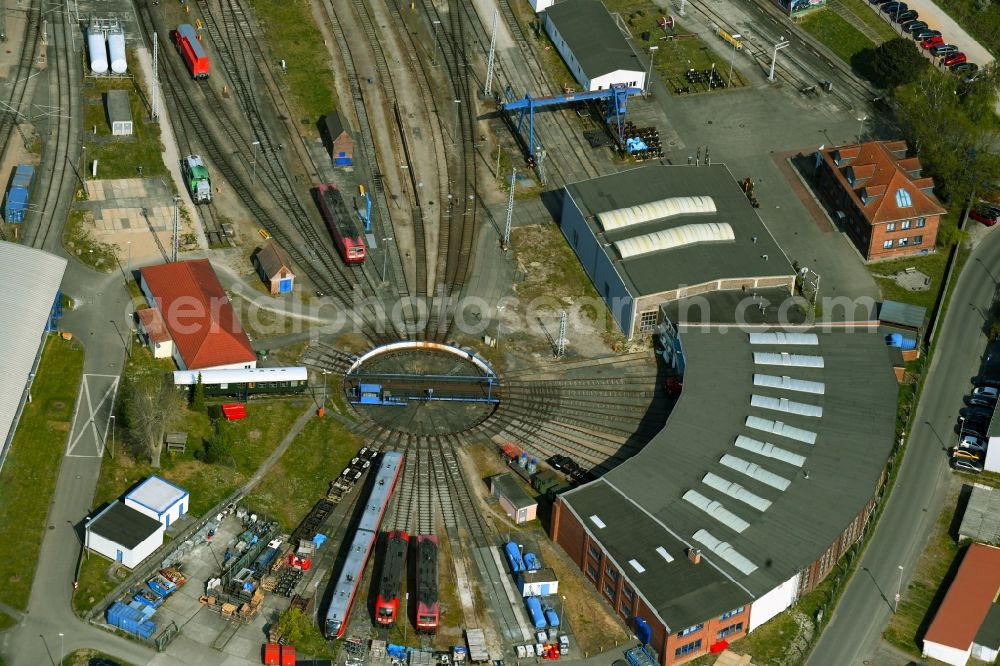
{"x":903,"y":198}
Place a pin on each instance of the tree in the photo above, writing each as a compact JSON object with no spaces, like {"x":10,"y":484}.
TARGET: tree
{"x":150,"y":402}
{"x":294,"y":625}
{"x":198,"y":395}
{"x":219,"y":449}
{"x":897,"y":62}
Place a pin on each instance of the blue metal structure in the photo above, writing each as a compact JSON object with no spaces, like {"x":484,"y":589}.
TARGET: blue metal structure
{"x":55,"y":314}
{"x":367,"y":392}
{"x":366,"y":215}
{"x":616,"y":98}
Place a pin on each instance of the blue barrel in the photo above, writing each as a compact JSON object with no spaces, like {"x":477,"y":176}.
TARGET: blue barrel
{"x":531,"y":562}
{"x":514,"y":557}
{"x":535,"y":610}
{"x":550,"y":615}
{"x":908,"y":343}
{"x":896,"y":340}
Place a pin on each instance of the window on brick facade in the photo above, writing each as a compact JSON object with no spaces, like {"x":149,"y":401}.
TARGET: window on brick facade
{"x":625,"y":607}
{"x":887,"y":244}
{"x":688,"y":649}
{"x":903,"y":242}
{"x":730,"y":630}
{"x":595,"y":552}
{"x":611,"y":573}
{"x":691,"y":629}
{"x":647,"y":321}
{"x":905,"y":224}
{"x":921,"y":221}
{"x":609,"y":590}
{"x":732,"y":613}
{"x":918,"y":240}
{"x":891,"y":226}
{"x":592,"y":572}
{"x":627,"y":593}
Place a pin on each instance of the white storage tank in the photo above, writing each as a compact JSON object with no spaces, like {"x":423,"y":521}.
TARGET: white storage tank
{"x":98,"y":51}
{"x":116,"y":46}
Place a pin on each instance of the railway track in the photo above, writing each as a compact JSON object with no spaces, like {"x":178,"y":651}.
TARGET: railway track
{"x":46,"y":217}
{"x":193,"y":130}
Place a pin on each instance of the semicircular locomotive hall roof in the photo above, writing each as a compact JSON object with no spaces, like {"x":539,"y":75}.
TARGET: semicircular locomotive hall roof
{"x":675,"y":237}
{"x":654,"y":210}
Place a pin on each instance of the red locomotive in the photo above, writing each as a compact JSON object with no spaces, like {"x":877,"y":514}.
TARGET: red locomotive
{"x":393,"y":566}
{"x":191,"y":50}
{"x":349,"y":239}
{"x":428,"y":613}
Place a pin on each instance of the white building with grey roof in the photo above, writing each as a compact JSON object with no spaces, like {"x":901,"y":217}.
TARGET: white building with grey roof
{"x":766,"y":472}
{"x":594,"y":48}
{"x":655,"y":234}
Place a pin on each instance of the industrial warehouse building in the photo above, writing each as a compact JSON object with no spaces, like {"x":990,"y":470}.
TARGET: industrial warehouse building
{"x":119,"y":110}
{"x":27,"y":305}
{"x":197,"y":315}
{"x":159,"y":499}
{"x":880,"y":198}
{"x":661,"y":233}
{"x":594,"y":48}
{"x":124,"y":535}
{"x":765,"y":474}
{"x":967,"y":624}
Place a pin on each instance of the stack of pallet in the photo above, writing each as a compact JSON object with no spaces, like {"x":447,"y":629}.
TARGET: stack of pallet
{"x":228,"y":610}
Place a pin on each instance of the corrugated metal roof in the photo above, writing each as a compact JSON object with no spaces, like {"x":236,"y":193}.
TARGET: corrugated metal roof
{"x":789,"y":384}
{"x":769,"y":450}
{"x":790,"y":360}
{"x":726,"y":552}
{"x":31,"y":279}
{"x":783,"y":429}
{"x":655,"y":210}
{"x":716,"y":510}
{"x":902,"y":314}
{"x":675,"y":237}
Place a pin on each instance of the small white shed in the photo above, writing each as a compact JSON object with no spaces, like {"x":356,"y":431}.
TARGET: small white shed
{"x":539,"y":583}
{"x":159,"y":499}
{"x":119,"y":112}
{"x":123,"y":534}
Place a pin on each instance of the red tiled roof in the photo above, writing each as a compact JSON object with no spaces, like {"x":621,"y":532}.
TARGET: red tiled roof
{"x":152,"y":323}
{"x":198,"y":314}
{"x":877,"y":168}
{"x":968,"y":599}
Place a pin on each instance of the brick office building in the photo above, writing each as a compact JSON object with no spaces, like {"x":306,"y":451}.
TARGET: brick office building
{"x":880,"y":198}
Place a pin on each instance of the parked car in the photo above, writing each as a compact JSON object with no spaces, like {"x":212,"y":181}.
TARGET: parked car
{"x":904,"y":16}
{"x":965,"y":68}
{"x":966,"y":465}
{"x":971,"y":442}
{"x":987,"y":392}
{"x":986,"y":205}
{"x":923,"y":35}
{"x":965,"y":454}
{"x":954,"y":59}
{"x":932,"y":42}
{"x":976,"y":412}
{"x":944,"y":50}
{"x":986,"y":380}
{"x":984,"y":216}
{"x":913,"y":27}
{"x":893,"y":7}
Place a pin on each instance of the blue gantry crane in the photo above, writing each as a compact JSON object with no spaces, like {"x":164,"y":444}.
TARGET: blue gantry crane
{"x":366,"y":213}
{"x":616,"y":99}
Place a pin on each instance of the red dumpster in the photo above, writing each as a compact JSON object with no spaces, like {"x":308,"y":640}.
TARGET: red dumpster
{"x":234,"y":411}
{"x":287,"y":655}
{"x":272,"y":654}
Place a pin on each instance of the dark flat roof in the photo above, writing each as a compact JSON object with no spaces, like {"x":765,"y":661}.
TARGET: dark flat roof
{"x":641,"y":501}
{"x":118,"y":106}
{"x":902,"y":314}
{"x":124,"y":525}
{"x":989,"y":633}
{"x":511,"y":489}
{"x":664,"y":270}
{"x":721,"y":307}
{"x":593,"y":36}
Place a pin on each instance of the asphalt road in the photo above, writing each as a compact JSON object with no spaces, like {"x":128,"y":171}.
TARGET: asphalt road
{"x":916,"y":501}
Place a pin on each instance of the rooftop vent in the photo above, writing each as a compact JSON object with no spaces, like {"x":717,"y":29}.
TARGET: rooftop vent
{"x":694,"y":555}
{"x":597,"y":521}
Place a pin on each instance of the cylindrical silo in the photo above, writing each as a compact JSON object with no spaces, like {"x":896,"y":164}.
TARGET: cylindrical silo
{"x":98,"y":51}
{"x":116,"y":47}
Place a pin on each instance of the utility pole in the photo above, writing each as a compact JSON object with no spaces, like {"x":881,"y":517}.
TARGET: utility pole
{"x":732,"y":61}
{"x":175,"y":246}
{"x":510,"y":211}
{"x":561,"y":342}
{"x":649,"y":76}
{"x":434,"y":45}
{"x":774,"y":58}
{"x":253,"y":181}
{"x":154,"y":113}
{"x":489,"y":63}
